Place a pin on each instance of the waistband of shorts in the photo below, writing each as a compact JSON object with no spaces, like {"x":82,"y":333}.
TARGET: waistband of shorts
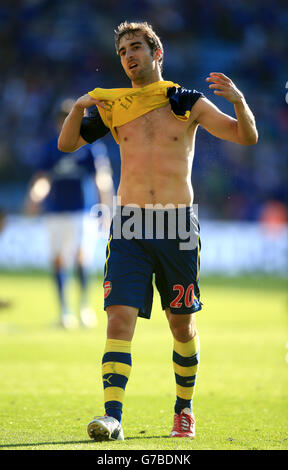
{"x":129,"y":210}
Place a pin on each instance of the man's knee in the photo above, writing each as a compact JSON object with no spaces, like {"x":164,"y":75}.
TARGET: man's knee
{"x":121,"y":322}
{"x":183,"y":327}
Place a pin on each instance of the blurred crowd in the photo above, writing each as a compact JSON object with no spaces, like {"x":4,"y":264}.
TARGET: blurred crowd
{"x":52,"y":50}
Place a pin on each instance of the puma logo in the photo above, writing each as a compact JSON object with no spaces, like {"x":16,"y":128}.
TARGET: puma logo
{"x":108,"y":379}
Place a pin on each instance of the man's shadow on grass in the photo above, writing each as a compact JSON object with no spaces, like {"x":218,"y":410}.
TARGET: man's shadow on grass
{"x":88,"y":441}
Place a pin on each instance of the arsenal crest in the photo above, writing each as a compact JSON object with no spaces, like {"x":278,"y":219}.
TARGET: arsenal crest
{"x":107,"y":288}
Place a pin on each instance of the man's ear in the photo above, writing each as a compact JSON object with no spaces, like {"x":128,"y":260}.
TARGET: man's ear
{"x":158,"y":54}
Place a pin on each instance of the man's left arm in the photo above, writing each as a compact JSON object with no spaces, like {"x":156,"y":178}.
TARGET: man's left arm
{"x":241,"y":130}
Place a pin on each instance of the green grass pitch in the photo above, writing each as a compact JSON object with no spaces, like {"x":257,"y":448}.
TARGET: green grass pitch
{"x":51,"y":379}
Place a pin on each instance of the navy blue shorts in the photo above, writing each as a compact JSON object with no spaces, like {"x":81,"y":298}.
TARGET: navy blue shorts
{"x":148,"y":242}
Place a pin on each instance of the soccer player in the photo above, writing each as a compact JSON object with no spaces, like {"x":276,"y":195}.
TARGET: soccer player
{"x":155,"y":124}
{"x":58,"y":191}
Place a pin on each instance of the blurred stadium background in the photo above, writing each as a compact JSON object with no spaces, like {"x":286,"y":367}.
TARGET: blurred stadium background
{"x":53,"y":50}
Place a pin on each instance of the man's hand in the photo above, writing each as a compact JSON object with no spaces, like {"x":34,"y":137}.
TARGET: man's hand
{"x":70,"y":139}
{"x":241,"y":130}
{"x":86,"y":101}
{"x":225,"y":87}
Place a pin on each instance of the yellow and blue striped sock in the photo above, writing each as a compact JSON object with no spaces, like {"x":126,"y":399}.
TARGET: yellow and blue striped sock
{"x":116,"y":368}
{"x":185,"y":363}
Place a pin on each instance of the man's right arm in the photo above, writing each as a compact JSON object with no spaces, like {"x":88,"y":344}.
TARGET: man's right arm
{"x":70,"y":138}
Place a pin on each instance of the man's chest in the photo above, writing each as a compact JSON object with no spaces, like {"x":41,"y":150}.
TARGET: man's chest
{"x":159,"y":124}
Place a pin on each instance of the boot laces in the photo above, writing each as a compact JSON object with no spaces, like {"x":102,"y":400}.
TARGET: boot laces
{"x":185,"y":422}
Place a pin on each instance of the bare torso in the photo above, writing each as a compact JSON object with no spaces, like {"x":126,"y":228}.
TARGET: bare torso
{"x":157,"y":153}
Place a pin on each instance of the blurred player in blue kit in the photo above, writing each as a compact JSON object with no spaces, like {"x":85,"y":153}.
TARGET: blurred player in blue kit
{"x":57,"y":190}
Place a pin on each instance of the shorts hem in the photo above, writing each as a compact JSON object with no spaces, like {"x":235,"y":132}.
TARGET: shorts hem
{"x":141,"y":312}
{"x":177,"y":312}
{"x":123,"y":303}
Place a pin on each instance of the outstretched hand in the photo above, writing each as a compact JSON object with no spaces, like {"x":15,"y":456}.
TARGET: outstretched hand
{"x":223,"y":86}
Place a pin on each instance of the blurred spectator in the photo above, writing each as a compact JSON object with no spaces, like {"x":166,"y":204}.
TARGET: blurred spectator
{"x":274,"y":217}
{"x":53,"y":49}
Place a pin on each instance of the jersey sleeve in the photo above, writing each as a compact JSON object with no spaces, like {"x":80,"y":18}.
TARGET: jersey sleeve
{"x":182,"y":100}
{"x":92,"y":127}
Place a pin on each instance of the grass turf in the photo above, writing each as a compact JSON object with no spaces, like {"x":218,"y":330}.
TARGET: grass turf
{"x":51,"y":379}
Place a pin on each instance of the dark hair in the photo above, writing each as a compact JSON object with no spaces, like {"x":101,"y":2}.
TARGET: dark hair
{"x":150,"y":36}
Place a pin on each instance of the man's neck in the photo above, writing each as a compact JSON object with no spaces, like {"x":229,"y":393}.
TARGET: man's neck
{"x":147,"y":81}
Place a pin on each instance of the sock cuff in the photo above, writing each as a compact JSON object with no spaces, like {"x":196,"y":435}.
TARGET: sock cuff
{"x":189,"y":348}
{"x":118,"y":345}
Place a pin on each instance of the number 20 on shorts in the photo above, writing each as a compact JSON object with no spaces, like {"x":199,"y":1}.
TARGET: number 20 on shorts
{"x":188,"y":296}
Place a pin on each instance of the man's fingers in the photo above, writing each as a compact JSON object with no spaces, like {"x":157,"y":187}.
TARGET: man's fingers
{"x":220,"y":75}
{"x":100,"y":103}
{"x":87,"y":101}
{"x":221,"y":86}
{"x":218,"y":80}
{"x":220,"y":93}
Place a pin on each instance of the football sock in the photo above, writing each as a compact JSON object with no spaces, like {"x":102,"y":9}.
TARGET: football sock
{"x":83,"y":280}
{"x":60,"y":278}
{"x":185,"y":363}
{"x":116,"y":368}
